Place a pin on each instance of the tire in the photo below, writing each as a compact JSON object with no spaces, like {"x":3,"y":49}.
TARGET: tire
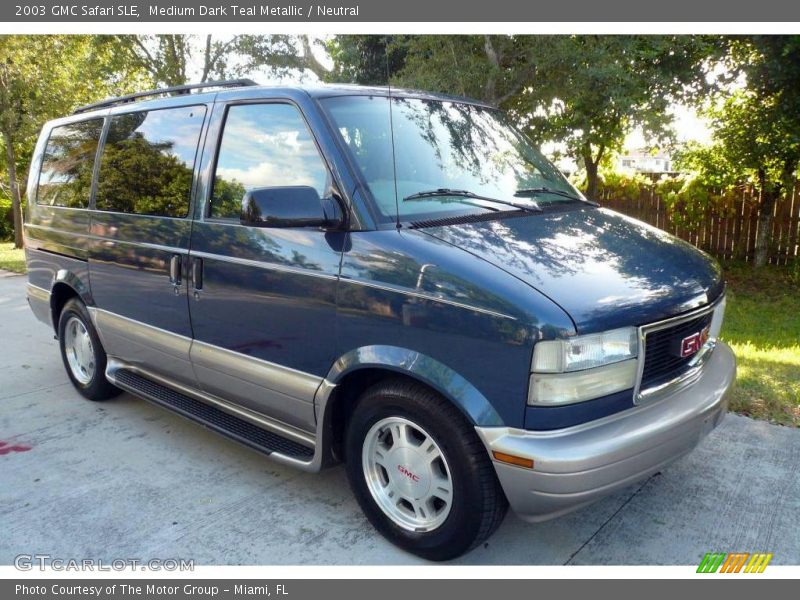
{"x":410,"y":506}
{"x":82,"y":353}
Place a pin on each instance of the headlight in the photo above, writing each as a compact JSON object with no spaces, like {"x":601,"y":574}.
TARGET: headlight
{"x":583,"y":367}
{"x":585,"y":351}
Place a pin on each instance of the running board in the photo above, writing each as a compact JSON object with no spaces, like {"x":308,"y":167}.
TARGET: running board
{"x":213,"y":418}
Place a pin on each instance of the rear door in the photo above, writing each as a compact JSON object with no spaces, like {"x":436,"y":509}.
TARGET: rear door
{"x":264,"y":312}
{"x":140,"y":228}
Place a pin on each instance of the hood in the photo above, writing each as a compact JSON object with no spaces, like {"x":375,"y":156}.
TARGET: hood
{"x":604,"y":269}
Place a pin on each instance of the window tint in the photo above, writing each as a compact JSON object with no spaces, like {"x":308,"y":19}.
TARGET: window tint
{"x":264,"y":145}
{"x":148,"y":160}
{"x":67,"y":164}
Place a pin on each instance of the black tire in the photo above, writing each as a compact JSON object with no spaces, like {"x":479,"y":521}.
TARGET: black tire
{"x":97,"y":387}
{"x":478,"y":503}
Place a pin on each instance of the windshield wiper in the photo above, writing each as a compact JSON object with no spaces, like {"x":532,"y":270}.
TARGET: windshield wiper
{"x":527,"y":192}
{"x":532,"y":207}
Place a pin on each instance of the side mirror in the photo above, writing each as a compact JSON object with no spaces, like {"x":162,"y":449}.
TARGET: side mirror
{"x":289,"y":206}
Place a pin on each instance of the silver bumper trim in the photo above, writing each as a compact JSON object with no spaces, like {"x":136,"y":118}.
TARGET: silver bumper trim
{"x":578,"y":465}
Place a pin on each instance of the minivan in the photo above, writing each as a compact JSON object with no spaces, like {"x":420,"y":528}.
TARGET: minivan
{"x":392,"y":279}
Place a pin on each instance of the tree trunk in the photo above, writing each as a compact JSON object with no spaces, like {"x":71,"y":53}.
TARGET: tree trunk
{"x":206,"y":60}
{"x":591,"y":163}
{"x":16,"y":202}
{"x":310,"y":61}
{"x":769,"y":197}
{"x":490,"y":87}
{"x":591,"y":179}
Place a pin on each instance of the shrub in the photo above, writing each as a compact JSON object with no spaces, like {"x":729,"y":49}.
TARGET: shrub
{"x":6,"y":220}
{"x":688,"y":198}
{"x":622,"y":185}
{"x":616,"y":185}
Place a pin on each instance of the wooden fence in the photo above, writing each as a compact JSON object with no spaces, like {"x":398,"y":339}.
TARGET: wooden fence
{"x":727,"y":231}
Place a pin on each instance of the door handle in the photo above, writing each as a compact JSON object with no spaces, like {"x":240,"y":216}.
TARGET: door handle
{"x":197,"y":273}
{"x":175,"y":269}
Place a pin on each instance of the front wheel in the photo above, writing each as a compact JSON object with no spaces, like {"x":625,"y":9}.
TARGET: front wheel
{"x":420,"y":473}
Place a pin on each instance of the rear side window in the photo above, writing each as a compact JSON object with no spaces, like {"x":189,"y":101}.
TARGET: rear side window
{"x":67,"y":164}
{"x":264,"y":145}
{"x":148,"y":160}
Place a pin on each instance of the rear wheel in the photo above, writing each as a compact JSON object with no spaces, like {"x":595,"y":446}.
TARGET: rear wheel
{"x":420,"y":473}
{"x":82,"y":353}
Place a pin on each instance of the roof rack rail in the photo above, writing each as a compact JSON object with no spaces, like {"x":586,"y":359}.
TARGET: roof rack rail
{"x":176,"y":89}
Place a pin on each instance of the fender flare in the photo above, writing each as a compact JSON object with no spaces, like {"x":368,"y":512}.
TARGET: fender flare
{"x":74,"y":282}
{"x":425,"y":369}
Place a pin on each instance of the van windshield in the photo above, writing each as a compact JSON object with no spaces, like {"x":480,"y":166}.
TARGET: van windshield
{"x":446,"y":148}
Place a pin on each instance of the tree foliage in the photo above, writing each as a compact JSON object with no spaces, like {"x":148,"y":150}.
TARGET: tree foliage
{"x":597,"y":89}
{"x":585,"y":92}
{"x":486,"y":67}
{"x":365,"y":59}
{"x":41,"y":77}
{"x":169,"y":60}
{"x":756,"y":128}
{"x":280,"y":54}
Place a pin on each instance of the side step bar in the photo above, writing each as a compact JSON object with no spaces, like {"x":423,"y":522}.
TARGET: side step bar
{"x":218,"y":420}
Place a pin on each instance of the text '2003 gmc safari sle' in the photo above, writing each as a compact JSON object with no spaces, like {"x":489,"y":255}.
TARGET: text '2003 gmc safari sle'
{"x":389,"y":278}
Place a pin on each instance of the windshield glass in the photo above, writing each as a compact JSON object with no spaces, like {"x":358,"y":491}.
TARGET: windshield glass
{"x":441,"y":145}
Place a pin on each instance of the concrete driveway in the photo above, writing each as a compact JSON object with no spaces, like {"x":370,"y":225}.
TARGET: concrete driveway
{"x":128,"y":479}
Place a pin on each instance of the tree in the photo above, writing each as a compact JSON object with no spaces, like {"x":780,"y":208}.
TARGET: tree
{"x":365,"y":59}
{"x":590,"y":92}
{"x":279,"y":53}
{"x":169,"y":59}
{"x":586,"y":92}
{"x":491,"y":68}
{"x":18,"y":94}
{"x":164,"y":58}
{"x":42,"y":77}
{"x":756,"y":129}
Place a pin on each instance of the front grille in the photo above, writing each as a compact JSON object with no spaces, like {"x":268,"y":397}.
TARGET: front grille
{"x":662,"y":362}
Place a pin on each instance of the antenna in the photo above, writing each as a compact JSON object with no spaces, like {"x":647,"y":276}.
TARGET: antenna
{"x":391,"y":133}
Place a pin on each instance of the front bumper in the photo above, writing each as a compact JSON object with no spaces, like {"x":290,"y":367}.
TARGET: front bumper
{"x":578,"y":465}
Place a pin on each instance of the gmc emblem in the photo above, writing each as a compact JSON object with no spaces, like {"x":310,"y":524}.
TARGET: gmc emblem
{"x":408,"y":473}
{"x":691,"y":344}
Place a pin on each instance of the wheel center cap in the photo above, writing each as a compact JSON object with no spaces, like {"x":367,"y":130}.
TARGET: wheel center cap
{"x":409,"y":472}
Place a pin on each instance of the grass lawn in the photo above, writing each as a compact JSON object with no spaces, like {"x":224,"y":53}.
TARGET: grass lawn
{"x":11,"y":259}
{"x":762,"y":325}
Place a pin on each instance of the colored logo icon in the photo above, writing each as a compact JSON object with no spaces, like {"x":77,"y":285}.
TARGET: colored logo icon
{"x":735,"y":562}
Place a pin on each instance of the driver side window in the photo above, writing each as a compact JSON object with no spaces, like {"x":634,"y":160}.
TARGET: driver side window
{"x":262,"y":146}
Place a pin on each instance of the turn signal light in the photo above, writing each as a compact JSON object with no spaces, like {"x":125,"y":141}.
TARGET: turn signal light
{"x":513,"y":460}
